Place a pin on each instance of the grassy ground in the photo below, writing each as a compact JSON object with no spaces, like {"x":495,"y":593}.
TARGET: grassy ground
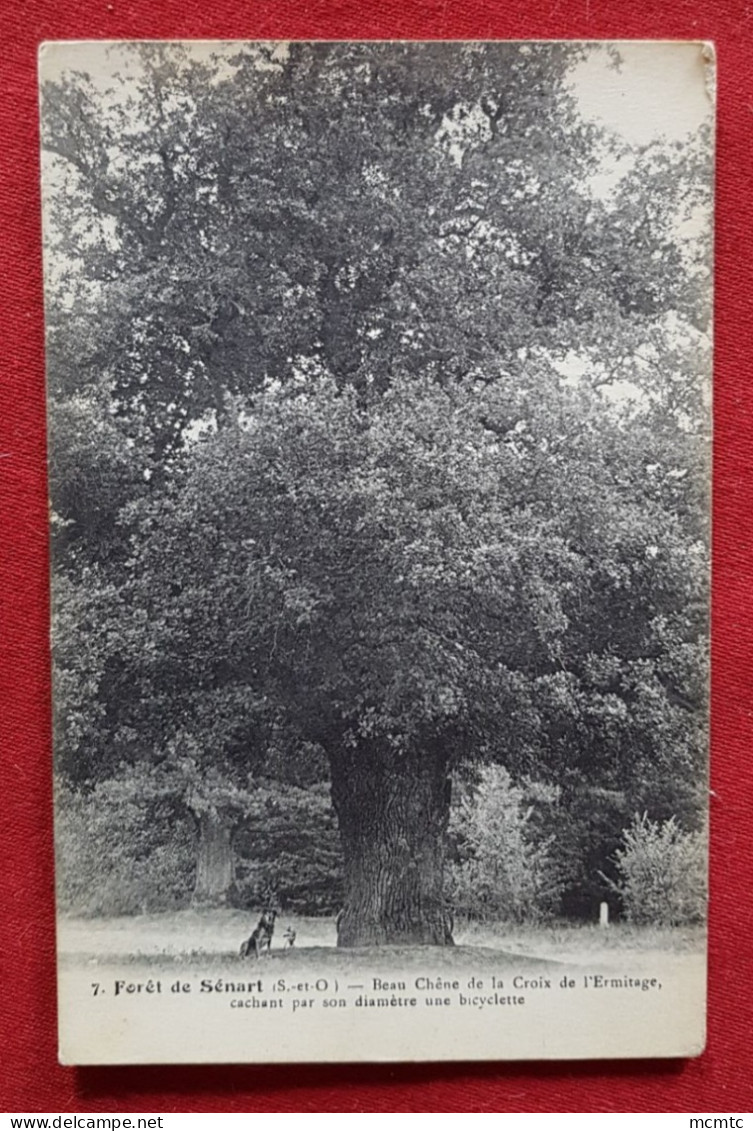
{"x":581,"y":942}
{"x":213,"y":938}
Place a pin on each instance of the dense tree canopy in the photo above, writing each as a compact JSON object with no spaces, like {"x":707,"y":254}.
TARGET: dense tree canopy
{"x":377,"y":435}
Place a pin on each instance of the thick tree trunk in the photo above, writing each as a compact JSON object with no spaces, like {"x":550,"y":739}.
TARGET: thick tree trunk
{"x":392,"y":811}
{"x":215,"y":863}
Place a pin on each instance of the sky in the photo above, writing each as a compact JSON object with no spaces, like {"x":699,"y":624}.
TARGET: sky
{"x":659,"y":90}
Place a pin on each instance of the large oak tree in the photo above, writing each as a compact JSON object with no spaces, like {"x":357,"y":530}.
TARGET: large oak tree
{"x":416,"y":531}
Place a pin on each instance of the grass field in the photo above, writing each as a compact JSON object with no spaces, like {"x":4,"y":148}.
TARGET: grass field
{"x":212,"y":938}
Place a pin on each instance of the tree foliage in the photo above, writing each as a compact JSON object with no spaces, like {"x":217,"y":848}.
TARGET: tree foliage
{"x":506,"y":868}
{"x":372,"y":443}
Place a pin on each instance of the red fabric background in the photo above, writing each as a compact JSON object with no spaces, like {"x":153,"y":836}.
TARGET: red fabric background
{"x":30,"y":1078}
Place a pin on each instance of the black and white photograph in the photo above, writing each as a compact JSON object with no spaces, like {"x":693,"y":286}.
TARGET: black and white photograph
{"x":379,"y":409}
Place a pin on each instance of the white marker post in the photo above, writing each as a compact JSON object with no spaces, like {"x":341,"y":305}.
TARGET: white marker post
{"x":604,"y":914}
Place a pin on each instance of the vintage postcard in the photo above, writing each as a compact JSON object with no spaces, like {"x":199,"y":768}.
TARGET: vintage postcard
{"x":379,"y":412}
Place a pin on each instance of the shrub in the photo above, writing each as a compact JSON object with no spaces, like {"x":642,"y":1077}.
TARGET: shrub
{"x":117,"y":855}
{"x":505,"y":869}
{"x":661,"y":873}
